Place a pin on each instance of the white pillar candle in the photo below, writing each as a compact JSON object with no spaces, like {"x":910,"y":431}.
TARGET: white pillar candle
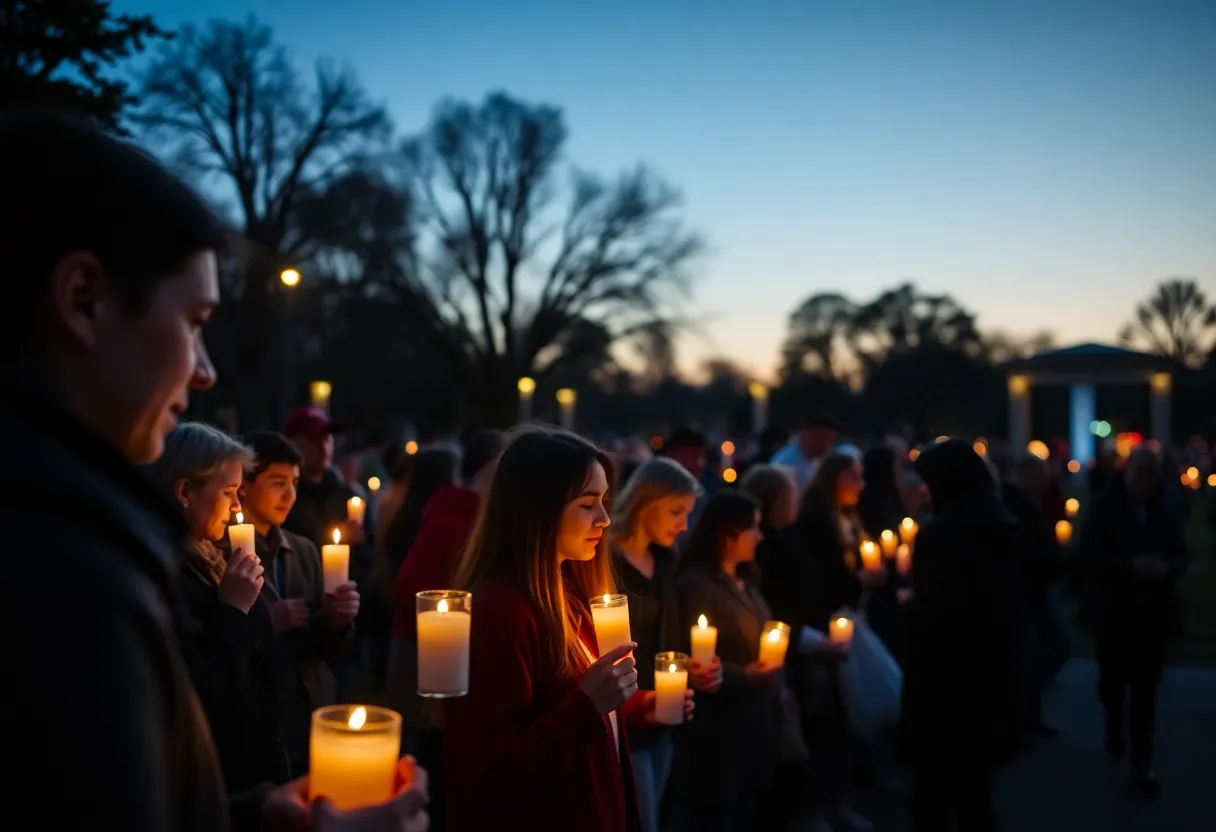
{"x":670,"y":682}
{"x":610,"y":615}
{"x":355,"y":507}
{"x":889,"y":543}
{"x":871,"y":558}
{"x":840,"y":629}
{"x":444,"y":623}
{"x":908,"y":530}
{"x":335,"y":563}
{"x":242,"y":535}
{"x":353,"y":752}
{"x":773,"y":643}
{"x":704,"y":642}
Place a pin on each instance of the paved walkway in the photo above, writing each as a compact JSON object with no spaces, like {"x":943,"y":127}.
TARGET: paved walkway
{"x":1067,"y":784}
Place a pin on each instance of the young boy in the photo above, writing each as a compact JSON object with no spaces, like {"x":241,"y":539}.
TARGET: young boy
{"x":314,"y":627}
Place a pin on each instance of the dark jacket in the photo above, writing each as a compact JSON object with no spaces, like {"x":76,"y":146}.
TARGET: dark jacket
{"x":320,"y":507}
{"x":106,"y":724}
{"x":1041,"y":556}
{"x":832,"y":566}
{"x":234,"y":664}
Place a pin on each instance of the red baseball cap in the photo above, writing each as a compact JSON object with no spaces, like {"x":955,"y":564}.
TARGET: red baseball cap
{"x":310,"y":421}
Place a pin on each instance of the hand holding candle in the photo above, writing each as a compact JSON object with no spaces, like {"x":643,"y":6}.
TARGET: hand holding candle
{"x":335,"y":563}
{"x":444,"y":624}
{"x":840,"y":628}
{"x":871,"y":559}
{"x":670,"y":684}
{"x":241,"y":536}
{"x":889,"y":542}
{"x":773,"y":643}
{"x":610,"y":616}
{"x":704,"y":642}
{"x":353,"y":751}
{"x":355,"y":507}
{"x":907,"y":530}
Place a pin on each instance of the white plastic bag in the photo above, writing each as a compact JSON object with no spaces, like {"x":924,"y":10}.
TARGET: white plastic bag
{"x":871,"y":682}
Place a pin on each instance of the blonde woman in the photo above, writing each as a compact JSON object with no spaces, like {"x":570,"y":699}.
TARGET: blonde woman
{"x":650,"y":514}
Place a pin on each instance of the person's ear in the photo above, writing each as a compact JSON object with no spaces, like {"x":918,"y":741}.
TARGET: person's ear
{"x":181,"y":491}
{"x":78,"y":295}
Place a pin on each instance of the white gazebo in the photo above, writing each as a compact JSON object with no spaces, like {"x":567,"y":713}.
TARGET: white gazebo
{"x":1081,"y":368}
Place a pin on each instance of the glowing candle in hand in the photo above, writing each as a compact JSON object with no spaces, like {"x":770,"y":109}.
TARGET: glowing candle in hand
{"x":353,"y":752}
{"x":907,"y":530}
{"x":355,"y":507}
{"x":241,"y":536}
{"x":773,"y":643}
{"x":670,"y":682}
{"x":444,"y":623}
{"x":840,"y":629}
{"x":610,"y":615}
{"x":704,"y":642}
{"x":1071,"y":506}
{"x":903,"y":559}
{"x":890,"y":543}
{"x":870,"y":556}
{"x":1063,"y":532}
{"x":335,"y":563}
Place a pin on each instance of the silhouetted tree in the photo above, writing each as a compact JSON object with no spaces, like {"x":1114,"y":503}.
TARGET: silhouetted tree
{"x":54,"y":53}
{"x":1176,"y":321}
{"x":1003,"y":346}
{"x":229,"y":106}
{"x":818,"y":330}
{"x":902,"y":319}
{"x":506,"y":280}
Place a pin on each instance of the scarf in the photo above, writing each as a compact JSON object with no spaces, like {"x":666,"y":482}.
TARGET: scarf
{"x":204,"y":557}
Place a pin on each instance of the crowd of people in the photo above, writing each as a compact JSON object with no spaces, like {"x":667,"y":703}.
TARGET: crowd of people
{"x":167,"y":678}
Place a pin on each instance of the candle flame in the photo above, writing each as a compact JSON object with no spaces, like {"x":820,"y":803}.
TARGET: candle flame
{"x":607,"y":598}
{"x":671,"y":669}
{"x":240,"y":518}
{"x":337,"y":537}
{"x":702,"y":622}
{"x":907,"y":524}
{"x":774,"y":635}
{"x":887,"y":534}
{"x":356,"y":502}
{"x":358,"y":718}
{"x":840,"y":622}
{"x":442,"y":605}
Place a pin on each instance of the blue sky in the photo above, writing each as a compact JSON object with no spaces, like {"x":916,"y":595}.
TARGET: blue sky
{"x":1044,"y":162}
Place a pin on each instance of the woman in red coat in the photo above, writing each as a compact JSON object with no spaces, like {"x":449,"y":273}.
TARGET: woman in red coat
{"x":537,"y":743}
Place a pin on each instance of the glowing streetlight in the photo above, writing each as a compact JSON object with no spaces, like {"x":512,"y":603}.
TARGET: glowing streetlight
{"x":566,"y":398}
{"x":290,"y":278}
{"x":319,"y":392}
{"x":526,"y":387}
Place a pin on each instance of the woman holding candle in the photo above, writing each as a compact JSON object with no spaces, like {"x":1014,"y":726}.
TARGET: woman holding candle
{"x":727,"y":755}
{"x":536,"y":744}
{"x":229,"y":638}
{"x":651,"y":513}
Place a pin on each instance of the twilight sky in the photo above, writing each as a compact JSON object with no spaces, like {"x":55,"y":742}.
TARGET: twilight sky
{"x":1044,"y":161}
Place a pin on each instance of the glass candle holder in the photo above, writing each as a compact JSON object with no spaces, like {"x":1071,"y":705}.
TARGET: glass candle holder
{"x":773,"y":643}
{"x":445,"y":619}
{"x":353,"y":752}
{"x":670,"y":682}
{"x":610,"y":615}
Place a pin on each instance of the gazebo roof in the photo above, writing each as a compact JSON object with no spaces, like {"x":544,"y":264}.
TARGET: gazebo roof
{"x":1096,"y":360}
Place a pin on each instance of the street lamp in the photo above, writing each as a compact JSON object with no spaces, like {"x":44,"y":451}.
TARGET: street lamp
{"x":759,"y":394}
{"x":566,"y":399}
{"x":526,"y":387}
{"x":290,"y":278}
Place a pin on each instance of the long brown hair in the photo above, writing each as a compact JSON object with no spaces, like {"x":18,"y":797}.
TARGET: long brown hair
{"x":541,"y":471}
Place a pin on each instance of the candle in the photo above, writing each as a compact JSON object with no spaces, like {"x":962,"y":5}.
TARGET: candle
{"x":1063,"y":532}
{"x":241,"y":535}
{"x":704,"y":642}
{"x":903,"y":559}
{"x":907,"y":530}
{"x":1071,"y":506}
{"x":444,"y":621}
{"x":890,"y":543}
{"x":335,"y":562}
{"x":840,"y":629}
{"x":610,"y":615}
{"x":870,"y":556}
{"x":354,"y":509}
{"x":773,"y":643}
{"x":353,"y":752}
{"x":670,"y":682}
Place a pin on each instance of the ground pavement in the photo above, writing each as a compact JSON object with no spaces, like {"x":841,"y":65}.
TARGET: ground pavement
{"x":1067,"y":784}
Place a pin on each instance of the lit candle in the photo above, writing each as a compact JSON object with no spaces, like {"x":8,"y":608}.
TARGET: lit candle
{"x":241,"y":535}
{"x":704,"y":642}
{"x":871,"y":558}
{"x":354,"y":509}
{"x":1063,"y":532}
{"x":1071,"y":506}
{"x":890,"y":543}
{"x":444,"y":621}
{"x":840,"y":629}
{"x":773,"y":643}
{"x":353,"y":752}
{"x":670,"y":682}
{"x":907,"y":530}
{"x":610,"y":615}
{"x":903,"y":559}
{"x":335,"y":563}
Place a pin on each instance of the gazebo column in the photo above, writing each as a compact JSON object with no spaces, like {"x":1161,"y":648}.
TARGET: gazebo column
{"x":1082,"y":411}
{"x":1161,"y":391}
{"x":1019,"y":413}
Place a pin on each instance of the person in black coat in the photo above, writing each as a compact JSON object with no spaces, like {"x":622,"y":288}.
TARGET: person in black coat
{"x":227,"y":630}
{"x":1135,"y":552}
{"x":881,"y":508}
{"x":962,"y":687}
